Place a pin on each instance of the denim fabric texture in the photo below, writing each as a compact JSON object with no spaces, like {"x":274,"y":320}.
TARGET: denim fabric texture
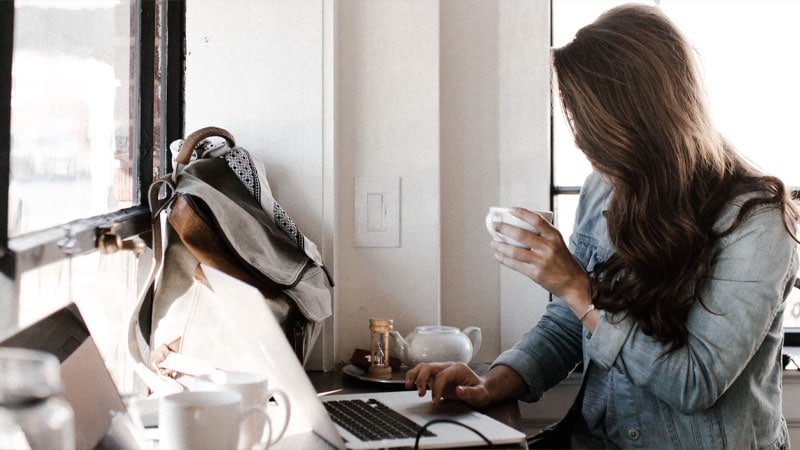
{"x":722,"y":390}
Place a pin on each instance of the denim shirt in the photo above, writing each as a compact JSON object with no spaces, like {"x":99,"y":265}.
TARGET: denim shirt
{"x":721,"y":390}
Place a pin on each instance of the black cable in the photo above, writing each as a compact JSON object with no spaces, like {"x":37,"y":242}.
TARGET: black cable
{"x":454,"y":422}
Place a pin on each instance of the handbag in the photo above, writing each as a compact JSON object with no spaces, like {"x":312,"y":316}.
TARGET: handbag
{"x":219,"y":212}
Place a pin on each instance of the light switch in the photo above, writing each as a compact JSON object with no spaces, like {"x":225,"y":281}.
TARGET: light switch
{"x":377,"y":212}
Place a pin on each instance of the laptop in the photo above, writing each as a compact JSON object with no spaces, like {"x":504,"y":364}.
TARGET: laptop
{"x":310,"y":424}
{"x":101,"y":418}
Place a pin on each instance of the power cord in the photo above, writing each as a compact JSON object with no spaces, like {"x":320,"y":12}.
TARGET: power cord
{"x":454,"y":422}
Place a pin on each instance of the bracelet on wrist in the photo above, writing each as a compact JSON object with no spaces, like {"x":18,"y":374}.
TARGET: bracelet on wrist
{"x":588,"y":310}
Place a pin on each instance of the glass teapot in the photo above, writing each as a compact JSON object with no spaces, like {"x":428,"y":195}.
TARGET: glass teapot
{"x":435,"y":343}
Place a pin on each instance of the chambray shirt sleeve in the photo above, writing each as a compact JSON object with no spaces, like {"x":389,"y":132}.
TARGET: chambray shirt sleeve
{"x":751,"y":273}
{"x":548,"y":352}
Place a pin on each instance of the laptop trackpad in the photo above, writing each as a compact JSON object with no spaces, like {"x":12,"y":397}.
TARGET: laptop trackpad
{"x":447,"y":409}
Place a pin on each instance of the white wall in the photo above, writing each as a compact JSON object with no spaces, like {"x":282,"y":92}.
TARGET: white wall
{"x":257,"y":68}
{"x":495,"y":151}
{"x":387,"y":106}
{"x":449,"y":96}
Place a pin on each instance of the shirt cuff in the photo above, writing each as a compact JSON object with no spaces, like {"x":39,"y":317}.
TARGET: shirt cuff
{"x":608,"y":338}
{"x":527,"y":368}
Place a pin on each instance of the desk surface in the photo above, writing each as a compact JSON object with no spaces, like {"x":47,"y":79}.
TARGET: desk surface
{"x":506,"y":412}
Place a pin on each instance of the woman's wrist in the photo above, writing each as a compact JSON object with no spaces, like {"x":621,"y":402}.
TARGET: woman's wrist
{"x":586,"y":314}
{"x":580,"y":300}
{"x":503,"y":382}
{"x":579,"y":296}
{"x":591,"y":319}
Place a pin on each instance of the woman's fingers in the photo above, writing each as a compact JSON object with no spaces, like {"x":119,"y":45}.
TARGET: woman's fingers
{"x":450,"y":379}
{"x":422,"y":375}
{"x":542,"y":221}
{"x":443,"y":379}
{"x":547,"y":261}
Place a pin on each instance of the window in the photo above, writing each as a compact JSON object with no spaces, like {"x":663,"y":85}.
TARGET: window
{"x":749,"y":75}
{"x":87,"y":103}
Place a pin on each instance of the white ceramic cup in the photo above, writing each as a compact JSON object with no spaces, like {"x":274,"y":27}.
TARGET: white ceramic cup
{"x":191,"y":420}
{"x":254,"y":390}
{"x":502,"y":214}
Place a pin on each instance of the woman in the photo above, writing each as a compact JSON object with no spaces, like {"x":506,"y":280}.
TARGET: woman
{"x":672,"y":290}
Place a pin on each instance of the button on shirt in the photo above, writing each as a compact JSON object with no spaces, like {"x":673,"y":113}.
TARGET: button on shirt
{"x":721,"y":390}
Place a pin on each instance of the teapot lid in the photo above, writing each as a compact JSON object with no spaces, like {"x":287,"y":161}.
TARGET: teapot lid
{"x":439,"y":329}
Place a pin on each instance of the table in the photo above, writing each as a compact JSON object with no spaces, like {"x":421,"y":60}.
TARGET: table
{"x":339,"y":383}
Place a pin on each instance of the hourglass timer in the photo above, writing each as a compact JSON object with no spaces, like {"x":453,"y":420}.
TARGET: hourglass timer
{"x":379,"y":330}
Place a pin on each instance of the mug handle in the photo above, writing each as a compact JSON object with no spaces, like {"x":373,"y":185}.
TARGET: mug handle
{"x":283,"y":401}
{"x":264,"y":443}
{"x":491,"y":218}
{"x":474,"y":334}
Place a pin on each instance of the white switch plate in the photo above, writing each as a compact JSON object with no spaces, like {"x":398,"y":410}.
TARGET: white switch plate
{"x":377,"y":212}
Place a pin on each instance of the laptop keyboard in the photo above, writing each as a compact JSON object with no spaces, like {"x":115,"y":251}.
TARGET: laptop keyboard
{"x":371,"y":420}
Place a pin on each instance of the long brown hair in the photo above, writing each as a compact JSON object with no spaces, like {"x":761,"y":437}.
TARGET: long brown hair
{"x":636,"y":105}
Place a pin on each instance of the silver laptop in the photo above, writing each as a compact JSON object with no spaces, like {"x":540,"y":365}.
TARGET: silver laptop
{"x":101,"y":418}
{"x":312,"y":427}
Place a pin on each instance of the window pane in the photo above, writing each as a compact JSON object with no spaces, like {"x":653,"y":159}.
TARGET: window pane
{"x":570,"y":166}
{"x":103,"y":287}
{"x":751,"y":70}
{"x":748,"y":66}
{"x":70,"y":118}
{"x":565,"y":208}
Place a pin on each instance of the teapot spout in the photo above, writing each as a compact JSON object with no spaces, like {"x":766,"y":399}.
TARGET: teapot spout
{"x":400,"y":345}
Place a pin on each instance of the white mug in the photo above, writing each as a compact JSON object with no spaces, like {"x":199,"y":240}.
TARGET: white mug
{"x":255,"y":392}
{"x":501,"y":214}
{"x":190,"y":420}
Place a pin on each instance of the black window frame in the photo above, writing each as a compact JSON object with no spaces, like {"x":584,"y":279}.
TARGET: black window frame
{"x":36,"y":249}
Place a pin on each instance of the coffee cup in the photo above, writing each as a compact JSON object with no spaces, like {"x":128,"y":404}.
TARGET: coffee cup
{"x":253,"y":387}
{"x":502,"y":214}
{"x":202,"y":419}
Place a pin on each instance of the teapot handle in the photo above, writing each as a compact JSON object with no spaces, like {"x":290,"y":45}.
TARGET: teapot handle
{"x":474,"y":334}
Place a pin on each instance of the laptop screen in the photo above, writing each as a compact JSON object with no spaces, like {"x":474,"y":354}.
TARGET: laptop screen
{"x":60,"y":333}
{"x":88,"y":386}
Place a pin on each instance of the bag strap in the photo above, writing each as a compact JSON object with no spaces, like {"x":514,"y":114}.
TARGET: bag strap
{"x":185,"y":154}
{"x":158,"y":263}
{"x":170,"y":182}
